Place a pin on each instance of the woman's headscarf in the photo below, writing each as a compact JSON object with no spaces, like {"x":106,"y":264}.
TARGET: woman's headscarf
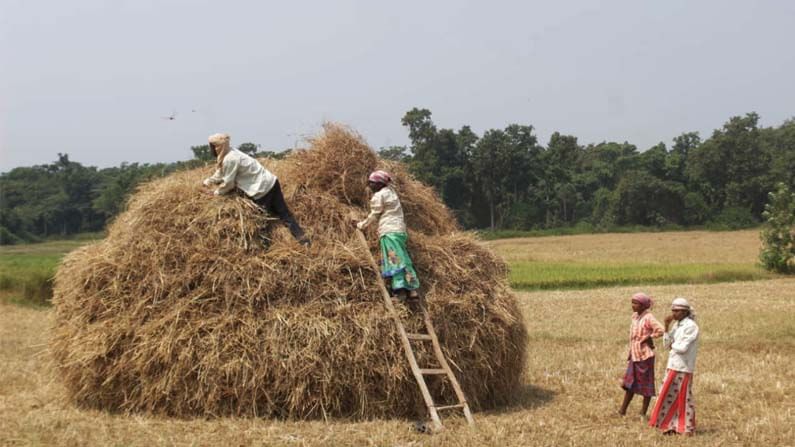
{"x":221,"y":142}
{"x":380,"y":177}
{"x":642,"y":299}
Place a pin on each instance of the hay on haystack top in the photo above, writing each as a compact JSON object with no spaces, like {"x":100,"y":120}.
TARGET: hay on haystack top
{"x":180,"y":310}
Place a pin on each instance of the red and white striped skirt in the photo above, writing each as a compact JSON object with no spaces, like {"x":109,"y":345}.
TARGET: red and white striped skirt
{"x":675,"y":408}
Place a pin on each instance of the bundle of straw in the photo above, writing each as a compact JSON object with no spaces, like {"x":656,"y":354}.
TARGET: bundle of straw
{"x":182,"y":311}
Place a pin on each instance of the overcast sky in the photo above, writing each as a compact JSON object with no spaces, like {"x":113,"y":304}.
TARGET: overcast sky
{"x":95,"y":78}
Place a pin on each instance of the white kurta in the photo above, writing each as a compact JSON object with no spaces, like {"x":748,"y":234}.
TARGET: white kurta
{"x":682,"y":340}
{"x":242,"y":171}
{"x":385,"y":206}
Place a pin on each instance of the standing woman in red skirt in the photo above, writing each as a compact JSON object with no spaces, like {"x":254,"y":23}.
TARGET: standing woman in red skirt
{"x":675,"y":412}
{"x":639,"y":377}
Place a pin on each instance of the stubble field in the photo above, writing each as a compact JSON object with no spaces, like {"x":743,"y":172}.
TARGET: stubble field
{"x":744,"y":383}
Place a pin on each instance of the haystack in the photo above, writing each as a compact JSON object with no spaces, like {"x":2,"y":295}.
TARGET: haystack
{"x":180,"y":310}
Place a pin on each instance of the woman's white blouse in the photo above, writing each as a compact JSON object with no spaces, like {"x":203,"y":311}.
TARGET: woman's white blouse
{"x":682,"y":340}
{"x":386,"y":204}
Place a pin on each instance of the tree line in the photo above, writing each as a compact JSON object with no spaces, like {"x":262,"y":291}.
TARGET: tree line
{"x":502,"y":179}
{"x":506,"y":179}
{"x":64,"y":197}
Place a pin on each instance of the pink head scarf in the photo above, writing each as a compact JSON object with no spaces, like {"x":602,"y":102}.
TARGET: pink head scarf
{"x":643,"y":299}
{"x":380,"y":177}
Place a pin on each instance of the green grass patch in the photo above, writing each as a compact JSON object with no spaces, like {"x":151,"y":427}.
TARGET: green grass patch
{"x":30,"y":275}
{"x":561,"y":275}
{"x":27,"y":270}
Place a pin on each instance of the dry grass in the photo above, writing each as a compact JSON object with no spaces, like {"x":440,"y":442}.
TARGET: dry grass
{"x":646,"y":248}
{"x":181,"y":311}
{"x":744,"y":387}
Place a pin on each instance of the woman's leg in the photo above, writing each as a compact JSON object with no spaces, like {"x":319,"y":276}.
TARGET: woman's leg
{"x":645,"y":407}
{"x":628,"y":395}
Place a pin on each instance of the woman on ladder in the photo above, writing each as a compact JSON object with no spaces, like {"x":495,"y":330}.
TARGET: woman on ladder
{"x":396,"y":266}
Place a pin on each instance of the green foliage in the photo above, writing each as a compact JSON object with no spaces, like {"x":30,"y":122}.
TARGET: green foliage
{"x":506,"y":180}
{"x":440,"y":157}
{"x":29,"y":275}
{"x":203,"y":152}
{"x":65,"y":198}
{"x":696,"y":210}
{"x":395,"y":153}
{"x":730,"y":168}
{"x":27,"y":270}
{"x":642,"y":198}
{"x":503,"y":179}
{"x":733,"y":218}
{"x":778,"y":234}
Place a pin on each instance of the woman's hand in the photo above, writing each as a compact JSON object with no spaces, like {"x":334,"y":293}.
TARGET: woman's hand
{"x":668,"y":320}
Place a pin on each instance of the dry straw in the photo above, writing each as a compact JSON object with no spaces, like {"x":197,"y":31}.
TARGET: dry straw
{"x":181,"y":311}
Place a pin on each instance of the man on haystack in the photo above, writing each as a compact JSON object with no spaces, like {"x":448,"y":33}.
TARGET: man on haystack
{"x":397,"y":267}
{"x":237,"y":169}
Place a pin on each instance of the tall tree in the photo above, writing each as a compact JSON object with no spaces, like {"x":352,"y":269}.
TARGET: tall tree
{"x":505,"y":162}
{"x":395,"y":153}
{"x":730,"y":168}
{"x":202,"y":152}
{"x":440,"y":157}
{"x":556,"y":189}
{"x":677,"y":159}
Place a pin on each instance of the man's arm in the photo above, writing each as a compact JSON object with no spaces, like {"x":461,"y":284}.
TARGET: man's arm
{"x":214,"y":179}
{"x":229,"y":172}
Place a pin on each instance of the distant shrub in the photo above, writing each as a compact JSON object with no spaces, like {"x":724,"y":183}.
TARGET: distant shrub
{"x":778,"y":234}
{"x":733,"y":218}
{"x":9,"y":238}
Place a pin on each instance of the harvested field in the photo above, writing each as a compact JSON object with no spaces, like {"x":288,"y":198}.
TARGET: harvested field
{"x":672,"y":247}
{"x":744,"y":387}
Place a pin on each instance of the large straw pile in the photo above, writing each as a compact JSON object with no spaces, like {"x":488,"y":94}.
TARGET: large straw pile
{"x":181,"y":311}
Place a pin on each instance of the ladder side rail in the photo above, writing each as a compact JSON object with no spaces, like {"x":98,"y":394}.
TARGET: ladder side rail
{"x":407,"y":349}
{"x":440,"y":357}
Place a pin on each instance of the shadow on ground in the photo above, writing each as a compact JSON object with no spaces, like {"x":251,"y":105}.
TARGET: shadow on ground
{"x":527,"y":398}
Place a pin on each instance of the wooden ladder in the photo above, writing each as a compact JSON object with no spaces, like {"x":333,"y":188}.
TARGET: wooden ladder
{"x":430,"y":336}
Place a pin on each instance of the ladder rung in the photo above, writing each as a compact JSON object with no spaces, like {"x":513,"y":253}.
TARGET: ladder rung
{"x":419,"y":337}
{"x":447,"y":407}
{"x":429,"y":372}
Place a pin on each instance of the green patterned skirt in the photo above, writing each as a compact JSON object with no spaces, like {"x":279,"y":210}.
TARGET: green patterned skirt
{"x":396,"y":265}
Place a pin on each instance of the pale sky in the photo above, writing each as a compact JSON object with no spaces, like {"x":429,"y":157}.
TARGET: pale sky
{"x":94,"y":78}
